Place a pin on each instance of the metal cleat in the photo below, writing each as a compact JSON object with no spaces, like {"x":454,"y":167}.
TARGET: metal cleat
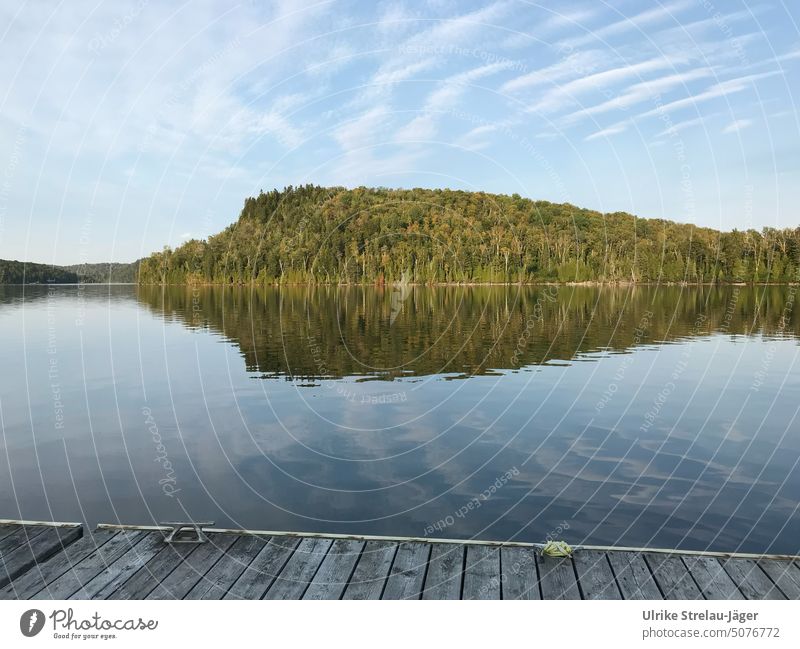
{"x":186,"y":532}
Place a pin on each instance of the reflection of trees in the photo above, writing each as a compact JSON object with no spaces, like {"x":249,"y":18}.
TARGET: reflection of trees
{"x":329,"y":332}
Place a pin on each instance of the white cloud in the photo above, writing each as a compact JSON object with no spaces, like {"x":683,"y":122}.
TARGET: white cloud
{"x":737,"y":125}
{"x":362,"y":130}
{"x":477,"y":138}
{"x":566,"y":94}
{"x":611,"y":130}
{"x":639,"y":92}
{"x":577,"y":63}
{"x":720,"y":89}
{"x":789,"y":56}
{"x":445,"y":96}
{"x":682,"y":126}
{"x":422,"y":127}
{"x":636,"y":22}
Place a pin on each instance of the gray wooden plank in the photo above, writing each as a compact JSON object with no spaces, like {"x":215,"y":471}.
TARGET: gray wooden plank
{"x":265,"y":567}
{"x":178,"y":583}
{"x":37,"y":550}
{"x":332,"y":577}
{"x":783,"y":574}
{"x":298,"y":572}
{"x":122,"y":569}
{"x":408,"y":571}
{"x":372,"y":570}
{"x":557,"y":578}
{"x":6,"y":529}
{"x":445,"y":572}
{"x":672,"y":576}
{"x":216,"y":582}
{"x":751,"y":580}
{"x":520,"y":576}
{"x":482,"y":573}
{"x":595,"y":576}
{"x":712,"y":579}
{"x":89,"y":567}
{"x":633,"y":576}
{"x":21,"y":535}
{"x":31,"y":582}
{"x":153,"y":572}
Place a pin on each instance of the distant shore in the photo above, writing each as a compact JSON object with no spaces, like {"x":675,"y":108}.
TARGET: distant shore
{"x":415,"y":284}
{"x":474,"y":284}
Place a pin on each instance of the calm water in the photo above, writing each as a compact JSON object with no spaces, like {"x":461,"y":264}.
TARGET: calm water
{"x":636,"y":416}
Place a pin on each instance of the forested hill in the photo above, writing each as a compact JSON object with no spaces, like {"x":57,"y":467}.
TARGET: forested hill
{"x":17,"y":272}
{"x":318,"y":234}
{"x":106,"y":273}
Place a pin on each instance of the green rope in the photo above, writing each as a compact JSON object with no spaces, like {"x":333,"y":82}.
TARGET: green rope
{"x":557,"y":549}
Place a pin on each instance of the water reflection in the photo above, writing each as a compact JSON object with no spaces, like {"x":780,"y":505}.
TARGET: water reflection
{"x":319,"y":333}
{"x":662,"y":417}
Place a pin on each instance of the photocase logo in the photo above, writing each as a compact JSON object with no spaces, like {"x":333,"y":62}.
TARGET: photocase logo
{"x":31,"y":622}
{"x":400,"y":293}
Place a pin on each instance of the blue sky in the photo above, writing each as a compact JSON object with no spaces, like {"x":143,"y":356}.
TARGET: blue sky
{"x":125,"y":126}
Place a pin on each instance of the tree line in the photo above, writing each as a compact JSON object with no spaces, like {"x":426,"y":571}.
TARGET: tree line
{"x":19,"y":272}
{"x":312,"y":234}
{"x":322,"y":332}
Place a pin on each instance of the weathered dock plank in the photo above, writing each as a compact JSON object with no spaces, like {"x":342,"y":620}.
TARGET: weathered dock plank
{"x":633,"y":576}
{"x":152,"y":573}
{"x":128,"y":562}
{"x":751,"y":580}
{"x":482,"y":573}
{"x":408,"y":571}
{"x":44,"y":573}
{"x":90,"y":567}
{"x":265,"y":567}
{"x":672,"y":576}
{"x":372,"y":571}
{"x":217,"y":581}
{"x":37,"y":549}
{"x":712,"y":579}
{"x":557,"y":578}
{"x":595,"y":575}
{"x":445,"y":572}
{"x":298,"y":572}
{"x":190,"y":571}
{"x":121,"y":569}
{"x":785,"y":577}
{"x":18,"y":537}
{"x":519,"y":574}
{"x":334,"y":573}
{"x":7,"y":529}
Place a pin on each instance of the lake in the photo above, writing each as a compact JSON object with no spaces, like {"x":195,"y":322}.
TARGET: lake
{"x":636,"y":416}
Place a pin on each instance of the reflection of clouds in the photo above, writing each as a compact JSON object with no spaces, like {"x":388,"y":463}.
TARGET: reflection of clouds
{"x":405,"y":465}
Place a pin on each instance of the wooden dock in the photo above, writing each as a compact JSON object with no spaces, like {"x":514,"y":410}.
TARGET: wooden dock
{"x":62,"y":561}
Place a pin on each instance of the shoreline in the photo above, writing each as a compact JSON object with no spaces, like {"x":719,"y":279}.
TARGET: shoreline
{"x":468,"y":284}
{"x":614,"y":284}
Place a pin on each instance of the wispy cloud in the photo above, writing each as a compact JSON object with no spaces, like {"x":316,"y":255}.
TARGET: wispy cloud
{"x":573,"y":65}
{"x":362,"y":130}
{"x":635,"y":22}
{"x":720,"y":89}
{"x":213,"y":100}
{"x":477,"y":138}
{"x":606,"y":132}
{"x":788,"y":56}
{"x":650,"y":90}
{"x":737,"y":125}
{"x":682,"y":126}
{"x":446,"y":95}
{"x":568,"y":93}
